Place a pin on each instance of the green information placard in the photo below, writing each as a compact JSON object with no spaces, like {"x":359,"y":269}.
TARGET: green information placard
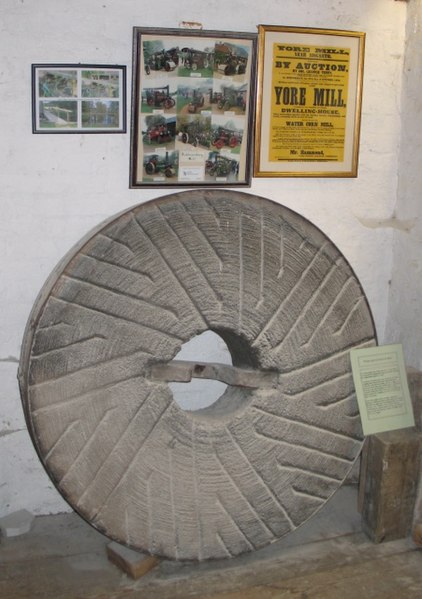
{"x":380,"y":379}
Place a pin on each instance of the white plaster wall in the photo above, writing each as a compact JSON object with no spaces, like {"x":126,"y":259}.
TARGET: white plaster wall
{"x":55,"y":188}
{"x":404,"y":323}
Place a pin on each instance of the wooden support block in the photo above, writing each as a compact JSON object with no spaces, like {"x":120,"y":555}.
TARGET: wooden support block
{"x":135,"y":564}
{"x":388,"y":483}
{"x":417,"y":534}
{"x":414,"y":380}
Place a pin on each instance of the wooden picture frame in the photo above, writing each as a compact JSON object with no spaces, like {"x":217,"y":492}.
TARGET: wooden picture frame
{"x":193,"y":99}
{"x":308,"y":102}
{"x":75,"y":98}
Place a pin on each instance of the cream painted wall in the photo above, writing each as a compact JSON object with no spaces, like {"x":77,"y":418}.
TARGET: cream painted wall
{"x":55,"y":188}
{"x":404,"y":317}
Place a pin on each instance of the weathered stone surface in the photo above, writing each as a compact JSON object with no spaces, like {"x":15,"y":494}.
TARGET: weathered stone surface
{"x":389,"y":478}
{"x":16,"y":524}
{"x":237,"y":475}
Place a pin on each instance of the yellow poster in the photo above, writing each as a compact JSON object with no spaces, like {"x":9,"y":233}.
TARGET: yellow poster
{"x":308,"y":103}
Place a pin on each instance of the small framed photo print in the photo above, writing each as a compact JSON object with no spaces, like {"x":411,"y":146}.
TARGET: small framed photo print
{"x":192,"y":107}
{"x":75,"y":98}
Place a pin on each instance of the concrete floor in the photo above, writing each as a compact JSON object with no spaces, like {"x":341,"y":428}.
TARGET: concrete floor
{"x":327,"y":558}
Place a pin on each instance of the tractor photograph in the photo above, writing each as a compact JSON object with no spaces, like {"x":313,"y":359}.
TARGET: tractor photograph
{"x":221,"y":166}
{"x":158,"y":97}
{"x":230,"y":60}
{"x":162,"y":60}
{"x":155,"y":164}
{"x":232,"y":65}
{"x":232,"y":98}
{"x":159,"y":130}
{"x":197,"y":101}
{"x":157,"y":134}
{"x":226,"y":137}
{"x":194,"y":97}
{"x":201,"y":61}
{"x":195,"y":131}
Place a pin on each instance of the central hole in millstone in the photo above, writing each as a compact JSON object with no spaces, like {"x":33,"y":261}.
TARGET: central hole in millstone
{"x":212,"y":380}
{"x":201,"y":393}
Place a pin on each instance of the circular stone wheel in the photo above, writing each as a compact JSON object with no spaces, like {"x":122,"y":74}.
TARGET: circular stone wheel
{"x":242,"y":473}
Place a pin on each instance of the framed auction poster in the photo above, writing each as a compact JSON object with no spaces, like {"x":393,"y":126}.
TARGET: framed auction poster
{"x":192,"y":108}
{"x":309,"y":102}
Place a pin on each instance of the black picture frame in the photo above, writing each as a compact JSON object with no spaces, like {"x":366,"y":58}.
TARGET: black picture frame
{"x":78,"y":98}
{"x":193,"y":99}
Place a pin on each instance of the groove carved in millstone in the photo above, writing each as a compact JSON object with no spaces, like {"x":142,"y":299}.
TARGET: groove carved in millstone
{"x":242,"y":473}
